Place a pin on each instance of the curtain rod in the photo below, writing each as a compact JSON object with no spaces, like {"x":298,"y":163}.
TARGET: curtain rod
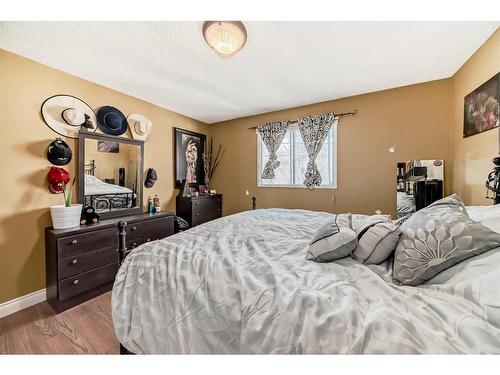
{"x":352,"y":113}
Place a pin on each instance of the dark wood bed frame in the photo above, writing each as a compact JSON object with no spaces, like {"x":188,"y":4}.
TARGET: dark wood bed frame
{"x":122,"y":253}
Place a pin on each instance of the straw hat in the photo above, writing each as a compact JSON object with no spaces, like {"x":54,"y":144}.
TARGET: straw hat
{"x":140,"y":126}
{"x":66,"y":115}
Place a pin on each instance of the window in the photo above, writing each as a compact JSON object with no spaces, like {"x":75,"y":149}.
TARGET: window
{"x":293,"y":159}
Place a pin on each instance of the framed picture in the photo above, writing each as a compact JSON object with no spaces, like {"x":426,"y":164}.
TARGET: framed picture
{"x":108,"y":146}
{"x":481,"y":108}
{"x":188,"y":155}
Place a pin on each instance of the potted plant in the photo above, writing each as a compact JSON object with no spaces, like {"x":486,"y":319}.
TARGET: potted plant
{"x":66,"y":215}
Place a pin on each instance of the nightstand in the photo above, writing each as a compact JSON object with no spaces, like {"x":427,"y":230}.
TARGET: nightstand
{"x":199,"y":210}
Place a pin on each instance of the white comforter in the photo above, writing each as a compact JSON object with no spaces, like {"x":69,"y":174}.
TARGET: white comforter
{"x":95,"y":186}
{"x":242,"y":284}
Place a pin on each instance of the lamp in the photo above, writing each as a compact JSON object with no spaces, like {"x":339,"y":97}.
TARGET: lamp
{"x":225,"y":37}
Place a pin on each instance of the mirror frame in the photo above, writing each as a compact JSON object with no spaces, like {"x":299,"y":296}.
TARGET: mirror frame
{"x":82,"y":136}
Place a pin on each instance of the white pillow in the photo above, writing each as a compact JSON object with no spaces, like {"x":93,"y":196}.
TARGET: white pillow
{"x":478,"y":213}
{"x":493,"y":224}
{"x":489,"y":216}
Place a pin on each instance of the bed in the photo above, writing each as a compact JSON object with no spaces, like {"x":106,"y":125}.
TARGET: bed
{"x":104,"y":196}
{"x":242,"y":284}
{"x":405,"y":204}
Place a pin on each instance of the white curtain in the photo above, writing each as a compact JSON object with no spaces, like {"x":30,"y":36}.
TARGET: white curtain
{"x":272,"y":134}
{"x":314,"y":130}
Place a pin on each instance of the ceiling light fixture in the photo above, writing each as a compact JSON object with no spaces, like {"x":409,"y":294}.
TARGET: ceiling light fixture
{"x":225,"y":37}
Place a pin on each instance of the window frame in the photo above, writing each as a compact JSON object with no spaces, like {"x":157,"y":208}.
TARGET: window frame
{"x":334,"y":149}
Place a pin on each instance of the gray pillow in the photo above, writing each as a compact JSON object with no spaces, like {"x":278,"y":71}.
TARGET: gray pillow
{"x":377,"y":243}
{"x":438,"y":237}
{"x":370,"y":221}
{"x":334,"y":240}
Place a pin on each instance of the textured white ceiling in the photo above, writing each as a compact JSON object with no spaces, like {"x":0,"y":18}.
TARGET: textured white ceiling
{"x":282,"y":65}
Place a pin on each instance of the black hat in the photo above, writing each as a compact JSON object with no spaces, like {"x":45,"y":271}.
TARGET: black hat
{"x":59,"y":153}
{"x":151,"y":178}
{"x":111,"y":121}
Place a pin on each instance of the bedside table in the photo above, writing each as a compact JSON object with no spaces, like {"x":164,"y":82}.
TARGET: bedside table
{"x":199,"y":210}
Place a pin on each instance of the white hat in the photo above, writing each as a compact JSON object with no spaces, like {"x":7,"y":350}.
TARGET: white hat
{"x":139,"y":126}
{"x":66,"y":115}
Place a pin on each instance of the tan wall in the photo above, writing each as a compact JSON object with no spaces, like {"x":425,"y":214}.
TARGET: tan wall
{"x":24,"y":138}
{"x":413,"y":119}
{"x":472,"y":156}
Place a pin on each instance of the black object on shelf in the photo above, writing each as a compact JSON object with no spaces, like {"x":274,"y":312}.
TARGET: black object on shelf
{"x":121,"y":177}
{"x":427,"y":192}
{"x":416,"y":173}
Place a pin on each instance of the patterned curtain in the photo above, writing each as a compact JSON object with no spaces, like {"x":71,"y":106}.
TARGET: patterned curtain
{"x":272,"y":134}
{"x":314,"y":130}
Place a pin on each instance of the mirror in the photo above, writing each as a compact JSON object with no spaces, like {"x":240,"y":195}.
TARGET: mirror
{"x":418,"y":183}
{"x":110,"y":174}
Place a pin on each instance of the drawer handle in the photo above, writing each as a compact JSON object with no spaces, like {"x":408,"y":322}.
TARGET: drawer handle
{"x":75,"y":261}
{"x":134,"y":228}
{"x":197,"y":203}
{"x":75,"y":282}
{"x":218,"y":210}
{"x":197,"y":214}
{"x":134,"y":244}
{"x":74,"y":242}
{"x":148,"y":240}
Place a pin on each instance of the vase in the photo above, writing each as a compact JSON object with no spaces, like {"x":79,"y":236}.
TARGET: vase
{"x":65,"y":217}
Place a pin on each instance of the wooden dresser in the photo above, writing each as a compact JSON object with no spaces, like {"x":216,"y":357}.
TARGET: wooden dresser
{"x":82,"y":262}
{"x":199,"y":210}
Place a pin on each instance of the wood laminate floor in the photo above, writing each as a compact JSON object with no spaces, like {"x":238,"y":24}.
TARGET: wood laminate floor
{"x":84,"y":329}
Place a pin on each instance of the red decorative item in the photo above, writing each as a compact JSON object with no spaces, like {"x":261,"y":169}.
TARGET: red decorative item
{"x":56,"y":177}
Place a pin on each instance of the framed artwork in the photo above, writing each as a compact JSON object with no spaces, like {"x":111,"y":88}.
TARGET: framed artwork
{"x":188,"y":154}
{"x":481,"y":108}
{"x":108,"y":146}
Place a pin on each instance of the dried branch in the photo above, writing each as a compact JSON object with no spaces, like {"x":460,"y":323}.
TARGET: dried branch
{"x":211,"y":162}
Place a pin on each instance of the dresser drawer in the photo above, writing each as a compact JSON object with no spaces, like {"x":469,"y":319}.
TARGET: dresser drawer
{"x":81,"y":243}
{"x":206,"y":209}
{"x":76,"y":264}
{"x":83,"y":282}
{"x":158,"y":228}
{"x":204,"y":205}
{"x":134,"y":230}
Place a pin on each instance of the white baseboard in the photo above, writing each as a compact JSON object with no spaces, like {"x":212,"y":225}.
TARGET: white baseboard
{"x":17,"y":304}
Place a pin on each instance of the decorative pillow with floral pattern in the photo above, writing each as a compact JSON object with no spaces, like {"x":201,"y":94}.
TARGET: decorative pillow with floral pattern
{"x":438,"y":237}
